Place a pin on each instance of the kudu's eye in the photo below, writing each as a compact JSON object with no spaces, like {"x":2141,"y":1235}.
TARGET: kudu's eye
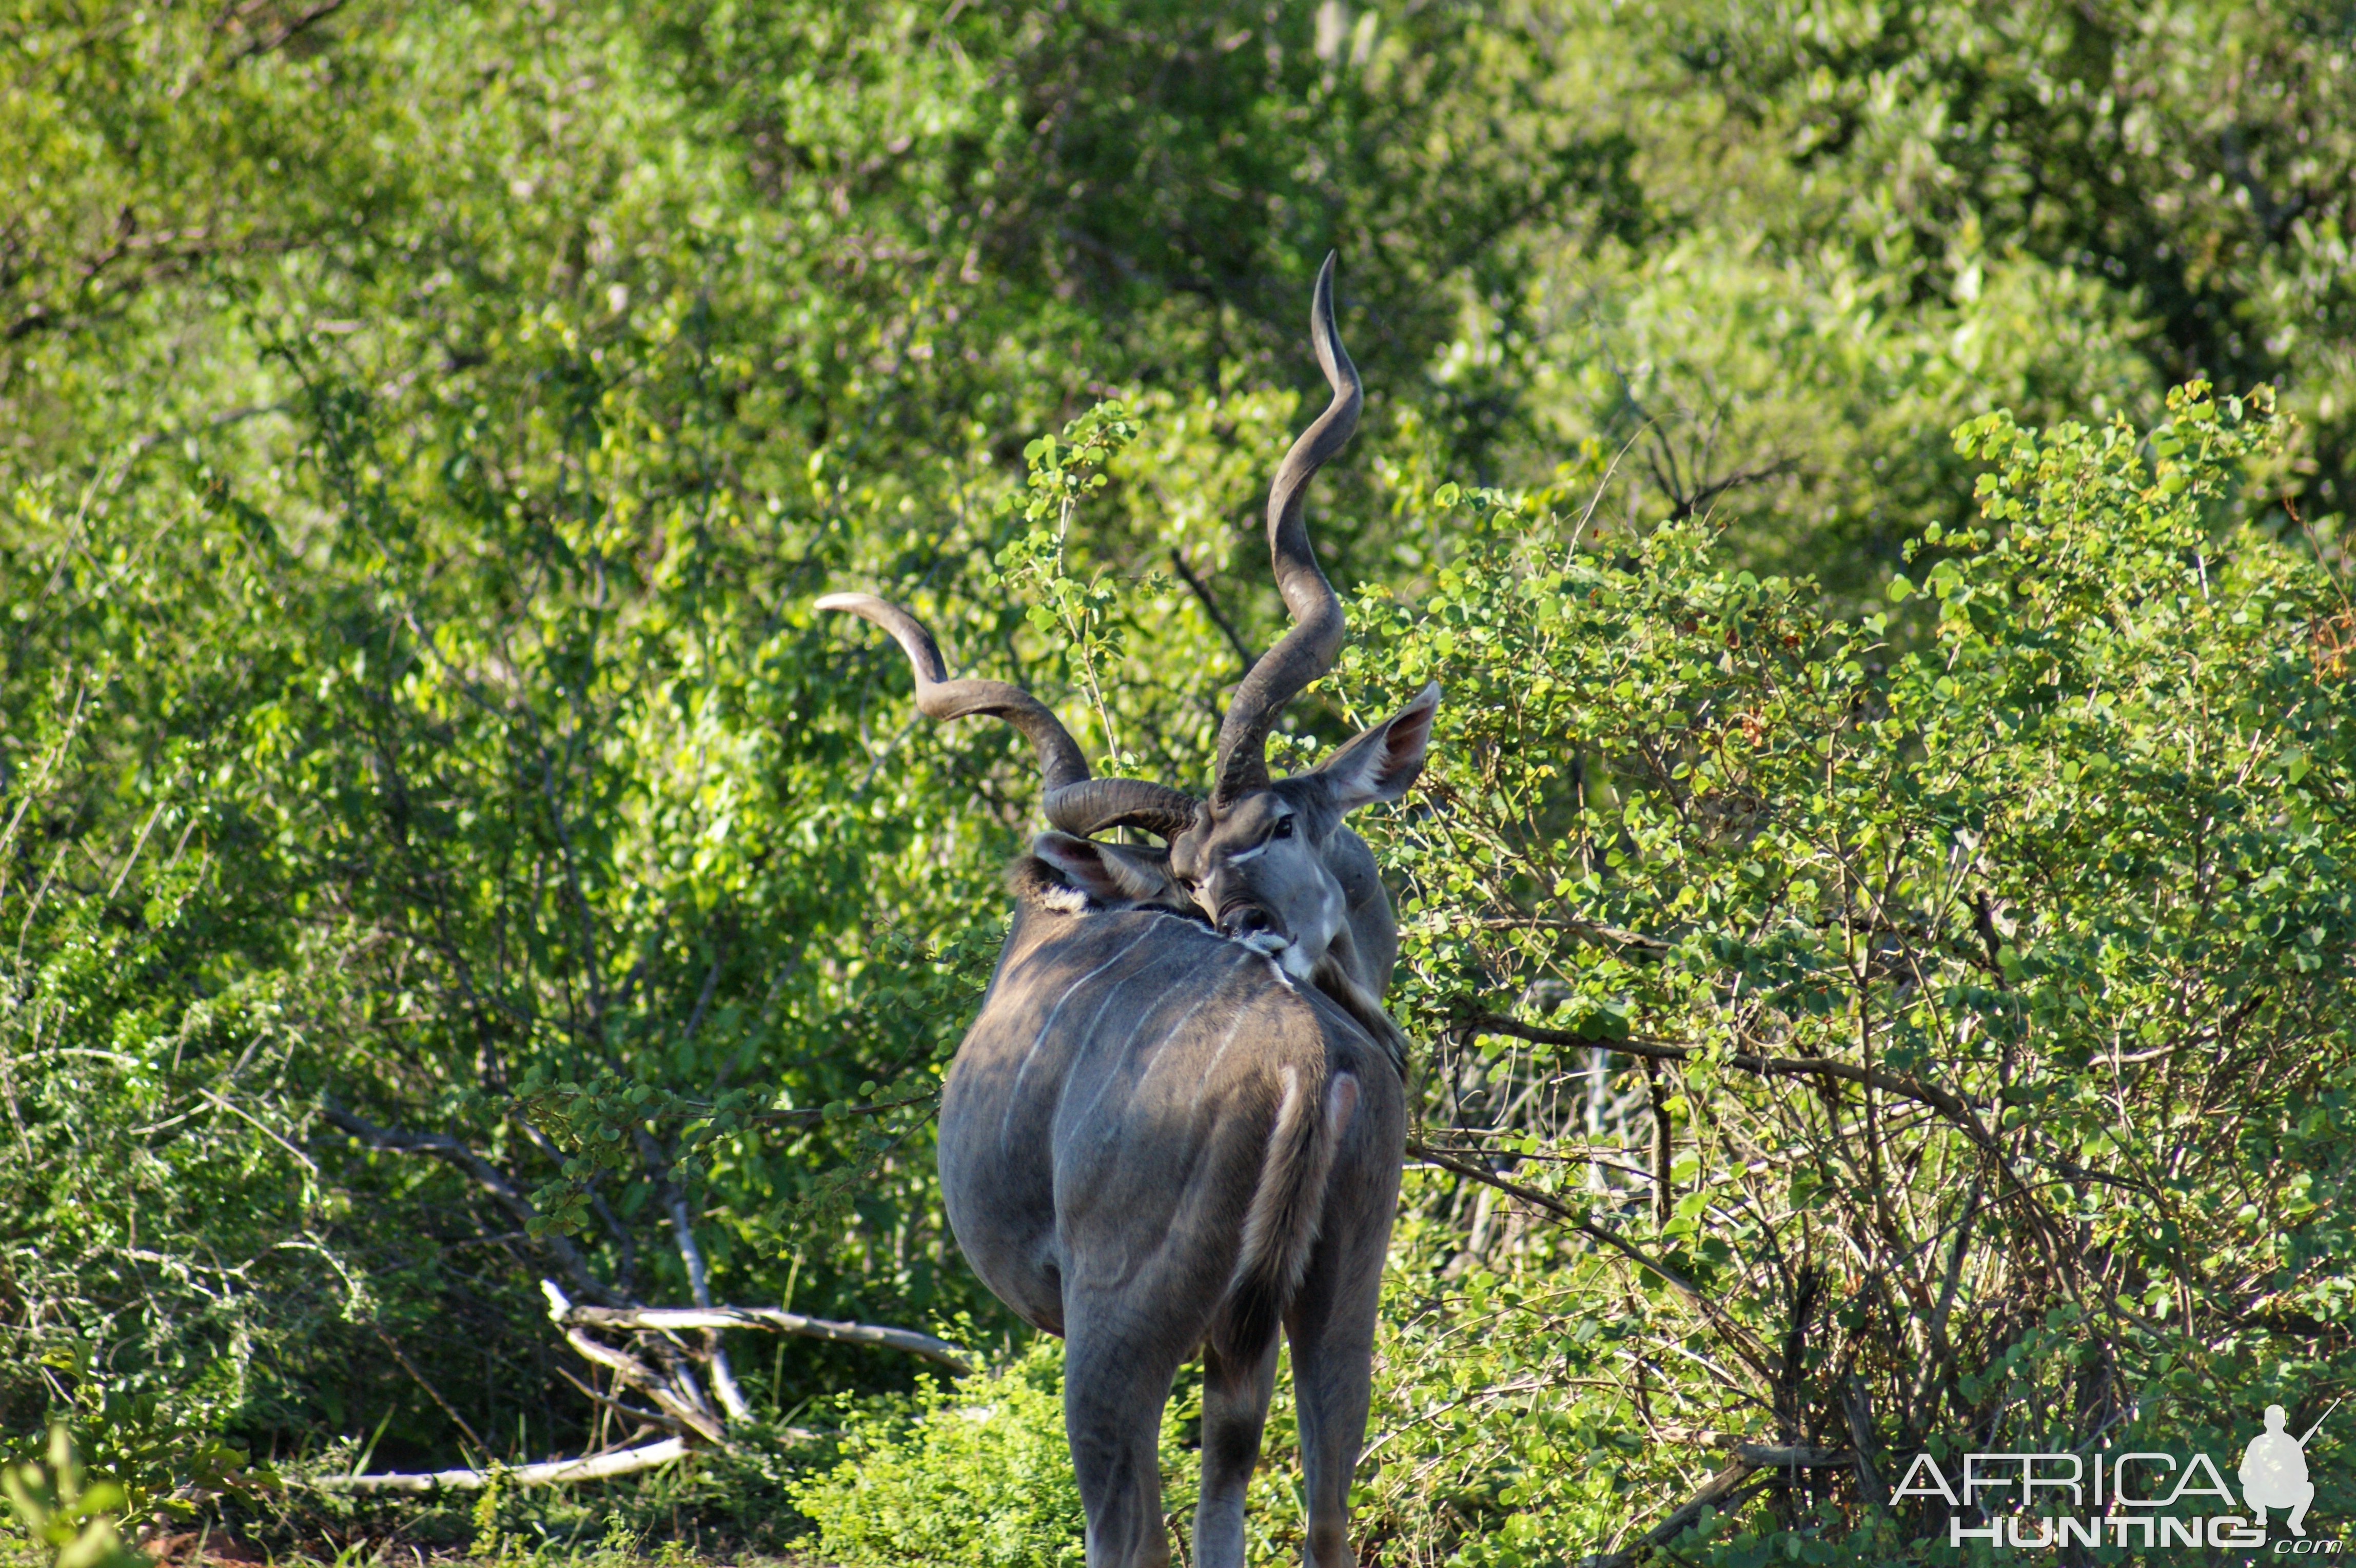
{"x":1283,"y":829}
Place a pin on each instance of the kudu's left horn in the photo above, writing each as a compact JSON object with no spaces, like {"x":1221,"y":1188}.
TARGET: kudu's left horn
{"x":1074,"y":802}
{"x":1309,"y":649}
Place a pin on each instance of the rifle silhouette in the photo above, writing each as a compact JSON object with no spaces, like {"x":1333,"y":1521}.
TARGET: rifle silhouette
{"x":2319,"y":1423}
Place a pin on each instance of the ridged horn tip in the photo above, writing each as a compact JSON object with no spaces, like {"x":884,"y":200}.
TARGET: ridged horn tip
{"x":938,"y":697}
{"x":1309,"y":648}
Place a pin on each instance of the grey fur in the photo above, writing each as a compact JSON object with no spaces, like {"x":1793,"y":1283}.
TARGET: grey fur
{"x":1153,"y":1140}
{"x":1156,"y":1138}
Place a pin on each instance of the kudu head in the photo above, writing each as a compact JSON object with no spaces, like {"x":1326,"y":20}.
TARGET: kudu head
{"x":1068,"y":874}
{"x":1272,"y":863}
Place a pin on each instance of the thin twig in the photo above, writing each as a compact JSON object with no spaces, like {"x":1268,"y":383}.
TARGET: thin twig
{"x":1211,"y":609}
{"x":1745,"y":1344}
{"x":431,"y":1392}
{"x":1952,"y":1106}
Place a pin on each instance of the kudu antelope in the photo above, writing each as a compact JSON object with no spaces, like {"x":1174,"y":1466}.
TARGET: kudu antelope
{"x":1178,"y":1121}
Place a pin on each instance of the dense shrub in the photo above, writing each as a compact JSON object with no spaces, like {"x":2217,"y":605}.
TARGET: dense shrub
{"x":1907,"y":1033}
{"x":438,"y":854}
{"x":975,"y":1472}
{"x":1890,"y":1034}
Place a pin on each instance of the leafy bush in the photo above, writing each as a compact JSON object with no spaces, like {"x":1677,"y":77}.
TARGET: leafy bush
{"x":66,"y":1510}
{"x":1898,"y":1034}
{"x":419,"y":427}
{"x":976,"y":1472}
{"x":111,"y":1458}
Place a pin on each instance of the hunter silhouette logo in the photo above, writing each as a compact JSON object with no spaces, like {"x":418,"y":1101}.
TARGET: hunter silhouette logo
{"x":2274,"y":1470}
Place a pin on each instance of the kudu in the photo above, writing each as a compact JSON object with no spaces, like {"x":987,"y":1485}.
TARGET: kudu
{"x":1178,"y":1121}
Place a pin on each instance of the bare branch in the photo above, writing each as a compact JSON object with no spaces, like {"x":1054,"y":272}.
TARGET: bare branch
{"x":1949,"y":1105}
{"x":938,"y":1351}
{"x":815,"y":1115}
{"x":1777,"y":1456}
{"x":1715,"y":1490}
{"x":1211,"y":609}
{"x":556,"y":1472}
{"x":487,"y":1175}
{"x":678,"y":1398}
{"x":1700,"y":499}
{"x":1612,"y":937}
{"x":629,"y":1412}
{"x":431,"y":1392}
{"x":1745,"y":1343}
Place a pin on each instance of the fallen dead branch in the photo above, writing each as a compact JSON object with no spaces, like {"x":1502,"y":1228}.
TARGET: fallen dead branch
{"x":626,"y":1462}
{"x":938,"y":1351}
{"x":672,"y":1387}
{"x":565,"y":1314}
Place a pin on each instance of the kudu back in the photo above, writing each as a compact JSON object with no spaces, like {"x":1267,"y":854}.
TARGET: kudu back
{"x":1178,"y":1121}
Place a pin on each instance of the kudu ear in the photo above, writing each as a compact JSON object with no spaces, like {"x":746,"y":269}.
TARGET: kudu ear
{"x":1108,"y":875}
{"x":1380,"y":763}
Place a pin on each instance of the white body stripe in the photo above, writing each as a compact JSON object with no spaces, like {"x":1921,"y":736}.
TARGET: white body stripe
{"x":1209,"y":993}
{"x":1016,"y":1097}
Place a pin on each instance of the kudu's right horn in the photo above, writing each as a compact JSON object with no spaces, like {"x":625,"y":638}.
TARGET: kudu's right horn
{"x":1074,"y":802}
{"x":1309,"y":649}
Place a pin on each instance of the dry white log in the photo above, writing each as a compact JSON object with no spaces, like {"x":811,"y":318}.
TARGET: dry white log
{"x":626,"y":1462}
{"x":939,"y":1351}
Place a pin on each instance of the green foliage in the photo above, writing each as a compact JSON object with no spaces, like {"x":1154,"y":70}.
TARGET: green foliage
{"x":1062,"y":610}
{"x":108,"y":1457}
{"x":978,"y":1472}
{"x":438,"y":851}
{"x":2193,"y":157}
{"x":1931,"y":1046}
{"x":160,"y":1467}
{"x":66,"y":1510}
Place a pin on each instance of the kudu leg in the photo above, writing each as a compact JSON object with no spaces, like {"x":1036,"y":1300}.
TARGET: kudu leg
{"x":1234,"y":1411}
{"x":1332,"y":1376}
{"x":1113,"y":1393}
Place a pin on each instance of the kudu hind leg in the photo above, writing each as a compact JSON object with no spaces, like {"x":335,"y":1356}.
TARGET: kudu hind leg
{"x":1234,"y":1411}
{"x":1333,"y":1380}
{"x":1113,"y":1395}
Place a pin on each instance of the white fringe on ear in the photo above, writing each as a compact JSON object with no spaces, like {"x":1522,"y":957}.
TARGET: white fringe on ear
{"x":1070,"y":900}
